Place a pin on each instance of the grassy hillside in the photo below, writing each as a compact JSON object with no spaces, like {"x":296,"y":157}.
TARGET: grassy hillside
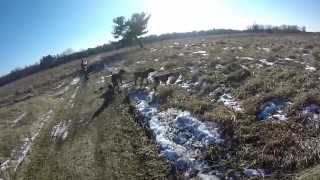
{"x":228,"y":80}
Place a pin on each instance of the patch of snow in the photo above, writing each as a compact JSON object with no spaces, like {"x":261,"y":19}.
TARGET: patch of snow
{"x":18,"y":155}
{"x":156,"y":60}
{"x":310,"y":68}
{"x":288,"y":59}
{"x":151,"y":76}
{"x":162,"y":68}
{"x":75,"y":81}
{"x":170,"y":80}
{"x":141,"y":62}
{"x":207,"y":177}
{"x":127,"y":85}
{"x":264,"y":61}
{"x":226,"y":48}
{"x":101,"y":81}
{"x":181,"y":137}
{"x":228,"y":101}
{"x":273,"y":110}
{"x":73,"y":96}
{"x":259,"y":65}
{"x":218,"y":58}
{"x":110,"y":69}
{"x":266,"y":49}
{"x":240,"y":48}
{"x":180,"y":54}
{"x":153,"y":50}
{"x":75,"y":93}
{"x":186,"y":85}
{"x":176,"y":43}
{"x":219,"y":66}
{"x":247,"y":58}
{"x":201,"y":52}
{"x":311,"y":112}
{"x":60,"y":85}
{"x":244,"y":67}
{"x":61,"y":92}
{"x":60,"y":131}
{"x":5,"y":165}
{"x":179,"y":80}
{"x":19,"y":118}
{"x":305,"y":54}
{"x":254,"y":172}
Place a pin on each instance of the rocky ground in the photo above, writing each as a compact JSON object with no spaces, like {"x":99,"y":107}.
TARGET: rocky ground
{"x":235,"y":107}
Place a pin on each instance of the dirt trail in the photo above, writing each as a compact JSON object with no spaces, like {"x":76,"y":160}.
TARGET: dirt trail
{"x":109,"y":146}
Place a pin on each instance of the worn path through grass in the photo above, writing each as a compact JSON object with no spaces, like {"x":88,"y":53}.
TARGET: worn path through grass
{"x":110,"y":146}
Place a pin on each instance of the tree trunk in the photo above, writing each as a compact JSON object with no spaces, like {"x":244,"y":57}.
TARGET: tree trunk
{"x":140,"y":42}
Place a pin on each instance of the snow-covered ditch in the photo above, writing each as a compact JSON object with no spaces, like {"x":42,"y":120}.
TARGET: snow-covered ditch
{"x":181,"y":137}
{"x":273,"y":110}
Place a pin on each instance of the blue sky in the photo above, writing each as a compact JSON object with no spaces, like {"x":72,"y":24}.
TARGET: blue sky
{"x":30,"y":29}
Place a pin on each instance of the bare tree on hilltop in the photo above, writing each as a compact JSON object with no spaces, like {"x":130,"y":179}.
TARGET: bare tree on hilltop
{"x":130,"y":30}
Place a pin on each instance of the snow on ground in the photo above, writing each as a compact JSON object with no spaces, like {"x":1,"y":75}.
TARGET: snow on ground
{"x":311,"y":112}
{"x":219,"y":67}
{"x":254,"y":172}
{"x":181,"y":137}
{"x":60,"y":131}
{"x":310,"y":68}
{"x":170,"y":80}
{"x":101,"y":80}
{"x":179,"y":80}
{"x":273,"y":110}
{"x":229,"y":101}
{"x":264,"y":61}
{"x":18,"y":155}
{"x":153,"y":50}
{"x":266,"y":49}
{"x":19,"y":118}
{"x":61,"y":92}
{"x":110,"y":69}
{"x":141,"y":62}
{"x":247,"y":58}
{"x":60,"y":85}
{"x":75,"y":81}
{"x":288,"y":59}
{"x":72,"y":97}
{"x":201,"y":52}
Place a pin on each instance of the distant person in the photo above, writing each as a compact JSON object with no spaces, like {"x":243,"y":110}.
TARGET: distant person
{"x":84,"y":67}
